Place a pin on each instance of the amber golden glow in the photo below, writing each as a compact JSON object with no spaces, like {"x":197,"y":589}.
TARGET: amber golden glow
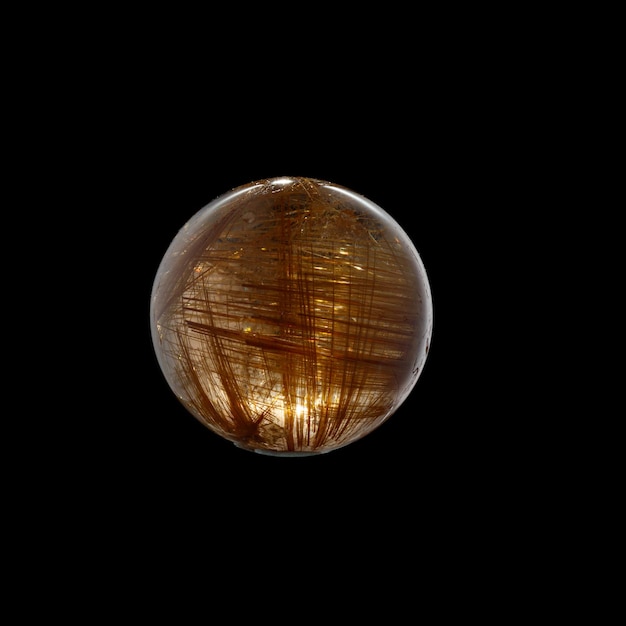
{"x":291,"y":316}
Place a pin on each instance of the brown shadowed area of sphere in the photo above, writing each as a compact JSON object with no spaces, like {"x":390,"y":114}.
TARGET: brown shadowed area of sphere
{"x":291,"y":316}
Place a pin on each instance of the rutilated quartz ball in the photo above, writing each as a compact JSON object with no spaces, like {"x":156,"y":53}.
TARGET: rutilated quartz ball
{"x":291,"y":316}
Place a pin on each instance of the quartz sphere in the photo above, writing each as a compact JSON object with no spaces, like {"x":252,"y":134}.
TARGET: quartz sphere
{"x":291,"y":316}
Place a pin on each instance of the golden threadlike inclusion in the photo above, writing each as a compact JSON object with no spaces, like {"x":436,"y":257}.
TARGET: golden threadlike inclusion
{"x":291,"y":316}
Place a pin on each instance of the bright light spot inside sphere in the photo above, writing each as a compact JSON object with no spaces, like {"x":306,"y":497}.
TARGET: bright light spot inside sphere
{"x":291,"y":316}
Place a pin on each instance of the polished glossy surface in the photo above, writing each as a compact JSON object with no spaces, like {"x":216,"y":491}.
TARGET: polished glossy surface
{"x":291,"y":316}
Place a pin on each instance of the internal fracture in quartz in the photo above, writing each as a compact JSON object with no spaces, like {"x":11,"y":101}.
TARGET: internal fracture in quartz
{"x":291,"y":315}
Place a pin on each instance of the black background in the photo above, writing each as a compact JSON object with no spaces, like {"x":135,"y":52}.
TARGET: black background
{"x":464,"y":127}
